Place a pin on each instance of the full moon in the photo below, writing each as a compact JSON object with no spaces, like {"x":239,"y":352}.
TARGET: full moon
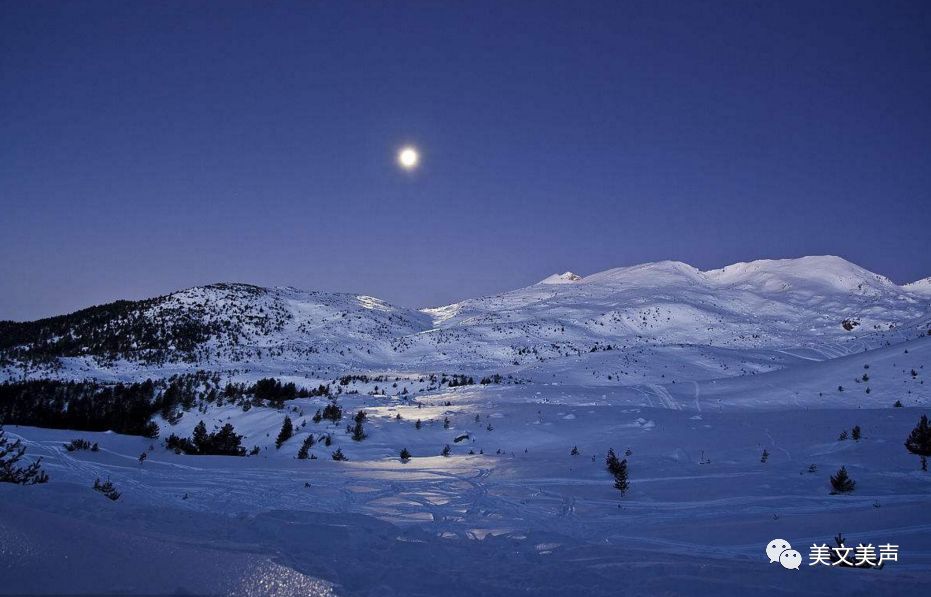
{"x":408,"y":158}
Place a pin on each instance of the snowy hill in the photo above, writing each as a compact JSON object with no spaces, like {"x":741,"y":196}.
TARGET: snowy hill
{"x":806,"y":303}
{"x":740,"y":319}
{"x":221,"y":325}
{"x":922,"y":287}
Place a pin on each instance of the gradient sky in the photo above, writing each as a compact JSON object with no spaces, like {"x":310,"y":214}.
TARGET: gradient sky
{"x":151,"y":146}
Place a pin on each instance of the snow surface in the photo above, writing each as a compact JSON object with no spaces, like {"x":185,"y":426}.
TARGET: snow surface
{"x":705,"y":370}
{"x":922,"y":286}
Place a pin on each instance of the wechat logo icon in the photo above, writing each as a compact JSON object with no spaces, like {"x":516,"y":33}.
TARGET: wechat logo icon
{"x":780,"y":551}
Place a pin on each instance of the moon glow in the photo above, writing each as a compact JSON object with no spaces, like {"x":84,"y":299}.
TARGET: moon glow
{"x":408,"y":158}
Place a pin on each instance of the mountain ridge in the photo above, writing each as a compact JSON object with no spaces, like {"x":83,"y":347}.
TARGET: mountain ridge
{"x":824,"y":305}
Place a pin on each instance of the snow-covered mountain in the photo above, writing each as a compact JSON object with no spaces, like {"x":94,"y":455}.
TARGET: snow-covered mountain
{"x":735,"y":395}
{"x":221,"y":325}
{"x":824,"y":305}
{"x":609,"y":326}
{"x":922,"y":286}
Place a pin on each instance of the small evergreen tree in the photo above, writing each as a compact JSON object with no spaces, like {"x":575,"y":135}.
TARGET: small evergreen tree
{"x":333,"y":412}
{"x":446,"y":423}
{"x":287,"y":430}
{"x":356,"y":429}
{"x":304,"y":451}
{"x":199,"y":436}
{"x":445,"y":451}
{"x":78,"y":444}
{"x":10,"y":455}
{"x":418,"y":424}
{"x":841,"y":481}
{"x":574,"y":451}
{"x":765,"y":456}
{"x":620,"y":477}
{"x":405,"y":455}
{"x":611,"y":461}
{"x":226,"y":442}
{"x":919,"y":441}
{"x":842,"y":436}
{"x":618,"y":469}
{"x":107,"y":489}
{"x":855,"y":433}
{"x":339,"y":456}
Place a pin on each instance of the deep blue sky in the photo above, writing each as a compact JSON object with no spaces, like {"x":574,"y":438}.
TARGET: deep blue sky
{"x":151,"y":146}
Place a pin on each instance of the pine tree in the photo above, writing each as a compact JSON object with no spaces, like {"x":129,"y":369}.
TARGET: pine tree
{"x":338,"y":455}
{"x":841,"y":481}
{"x":226,"y":442}
{"x":765,"y":456}
{"x":919,"y":441}
{"x":620,"y":477}
{"x":356,"y":429}
{"x":418,"y":424}
{"x":842,"y":436}
{"x":611,"y":461}
{"x":618,"y":469}
{"x":199,"y":437}
{"x":304,"y":451}
{"x":405,"y":455}
{"x":107,"y":489}
{"x":78,"y":444}
{"x":446,"y":423}
{"x":287,"y":430}
{"x":10,"y":455}
{"x":445,"y":451}
{"x":574,"y":451}
{"x":855,"y":433}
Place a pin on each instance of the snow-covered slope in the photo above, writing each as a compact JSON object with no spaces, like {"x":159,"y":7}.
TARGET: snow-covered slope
{"x":922,"y":287}
{"x":521,"y":504}
{"x":640,"y":323}
{"x":825,"y":305}
{"x":734,"y":395}
{"x":212,"y":327}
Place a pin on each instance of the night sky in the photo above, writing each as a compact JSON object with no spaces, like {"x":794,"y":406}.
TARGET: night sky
{"x":147,"y":147}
